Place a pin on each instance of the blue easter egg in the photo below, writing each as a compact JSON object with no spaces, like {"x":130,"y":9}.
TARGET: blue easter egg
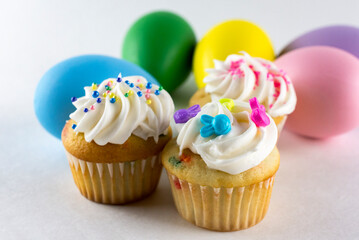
{"x":68,"y":78}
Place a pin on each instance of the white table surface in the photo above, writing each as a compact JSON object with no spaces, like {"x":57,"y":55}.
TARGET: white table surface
{"x":316,"y":191}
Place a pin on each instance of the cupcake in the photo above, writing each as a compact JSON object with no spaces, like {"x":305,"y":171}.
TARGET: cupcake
{"x":222,"y":165}
{"x":242,"y":77}
{"x":114,"y":137}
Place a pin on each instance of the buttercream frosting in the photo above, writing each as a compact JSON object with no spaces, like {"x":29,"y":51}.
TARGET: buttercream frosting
{"x":242,"y":77}
{"x":243,"y":147}
{"x":113,"y":110}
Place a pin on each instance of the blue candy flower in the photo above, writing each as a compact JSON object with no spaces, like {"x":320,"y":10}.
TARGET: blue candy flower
{"x":219,"y":125}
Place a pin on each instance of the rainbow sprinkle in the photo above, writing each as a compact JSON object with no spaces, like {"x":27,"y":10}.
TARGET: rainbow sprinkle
{"x":95,"y":94}
{"x":74,"y":126}
{"x":73,"y":99}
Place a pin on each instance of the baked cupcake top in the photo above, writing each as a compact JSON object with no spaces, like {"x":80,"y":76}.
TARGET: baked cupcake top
{"x":226,"y":136}
{"x":113,"y":110}
{"x":242,"y":77}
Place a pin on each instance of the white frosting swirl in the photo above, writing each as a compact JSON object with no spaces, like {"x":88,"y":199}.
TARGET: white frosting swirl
{"x":244,"y":147}
{"x":242,"y":77}
{"x":114,"y":123}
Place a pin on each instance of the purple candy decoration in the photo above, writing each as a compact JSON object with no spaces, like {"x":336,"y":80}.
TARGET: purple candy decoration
{"x":339,"y":36}
{"x":183,"y":115}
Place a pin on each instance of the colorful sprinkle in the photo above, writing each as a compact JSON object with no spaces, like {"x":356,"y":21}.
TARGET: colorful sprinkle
{"x":149,"y":85}
{"x":95,"y":94}
{"x":148,"y":101}
{"x":185,"y":158}
{"x":130,"y":92}
{"x":160,"y":88}
{"x":258,"y":115}
{"x":74,"y":126}
{"x":132,"y":85}
{"x":126,"y":94}
{"x":109,"y":83}
{"x":235,"y":68}
{"x":94,"y":86}
{"x":107,"y":88}
{"x":157,"y":92}
{"x":147,"y":96}
{"x":92,"y":107}
{"x":183,"y":115}
{"x":73,"y":99}
{"x":98,"y":100}
{"x":104,"y":94}
{"x":119,"y":79}
{"x":139,"y":93}
{"x":218,"y":125}
{"x":86,"y":110}
{"x":227,"y":102}
{"x":112,"y":100}
{"x":140,"y":85}
{"x":148,"y":91}
{"x":175,"y":162}
{"x":127,"y":82}
{"x":112,"y":95}
{"x":138,"y":80}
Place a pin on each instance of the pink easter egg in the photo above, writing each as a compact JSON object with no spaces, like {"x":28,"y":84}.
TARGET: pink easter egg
{"x":326,"y":81}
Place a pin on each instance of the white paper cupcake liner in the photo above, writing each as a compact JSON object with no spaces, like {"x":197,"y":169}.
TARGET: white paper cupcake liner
{"x":281,"y":125}
{"x":115,"y":183}
{"x":221,"y":209}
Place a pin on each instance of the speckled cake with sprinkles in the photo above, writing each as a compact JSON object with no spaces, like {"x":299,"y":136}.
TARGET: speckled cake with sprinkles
{"x":222,"y":164}
{"x":114,"y":137}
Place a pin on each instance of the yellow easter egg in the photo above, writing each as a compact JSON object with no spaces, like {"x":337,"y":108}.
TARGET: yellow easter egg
{"x":227,"y":38}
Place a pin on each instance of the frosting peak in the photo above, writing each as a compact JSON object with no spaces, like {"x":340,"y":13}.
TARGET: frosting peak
{"x":234,"y":151}
{"x":242,"y":77}
{"x":113,"y":110}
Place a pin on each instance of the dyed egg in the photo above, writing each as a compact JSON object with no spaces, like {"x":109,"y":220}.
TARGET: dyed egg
{"x":67,"y":79}
{"x":326,"y":81}
{"x":162,"y":43}
{"x":227,"y":38}
{"x":340,"y":36}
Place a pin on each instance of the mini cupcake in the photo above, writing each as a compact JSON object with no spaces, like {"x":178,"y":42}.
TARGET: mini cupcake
{"x":222,"y":165}
{"x":114,"y":138}
{"x":241,"y":77}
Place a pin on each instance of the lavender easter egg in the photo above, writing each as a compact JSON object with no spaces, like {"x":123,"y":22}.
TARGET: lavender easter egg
{"x":326,"y":81}
{"x":339,"y":36}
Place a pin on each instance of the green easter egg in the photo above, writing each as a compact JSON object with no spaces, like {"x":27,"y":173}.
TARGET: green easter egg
{"x":162,"y":43}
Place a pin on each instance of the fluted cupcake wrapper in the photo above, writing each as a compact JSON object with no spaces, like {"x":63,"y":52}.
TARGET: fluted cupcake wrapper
{"x":281,"y":125}
{"x":115,"y":183}
{"x":221,"y":209}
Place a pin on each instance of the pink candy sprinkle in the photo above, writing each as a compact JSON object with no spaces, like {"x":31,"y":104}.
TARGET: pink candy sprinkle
{"x":108,"y":91}
{"x":138,"y":80}
{"x":258,"y":115}
{"x":109,"y":83}
{"x":235,"y":69}
{"x":148,"y":91}
{"x":92,"y":107}
{"x":147,"y":96}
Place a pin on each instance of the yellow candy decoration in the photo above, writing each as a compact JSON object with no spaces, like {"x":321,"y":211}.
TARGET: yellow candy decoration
{"x":112,"y":95}
{"x":94,"y":86}
{"x":227,"y":38}
{"x":227,"y":102}
{"x":148,"y":101}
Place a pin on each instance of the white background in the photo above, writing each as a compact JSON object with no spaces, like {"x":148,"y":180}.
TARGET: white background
{"x":317,"y":187}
